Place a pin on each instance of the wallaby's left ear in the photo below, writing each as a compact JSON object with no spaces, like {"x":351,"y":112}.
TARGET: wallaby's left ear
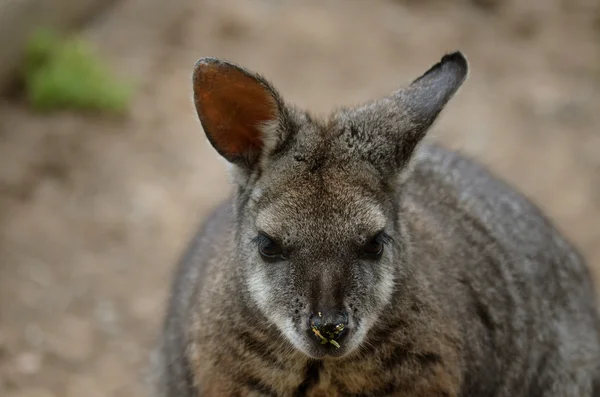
{"x":415,"y":107}
{"x":237,"y":109}
{"x":426,"y":96}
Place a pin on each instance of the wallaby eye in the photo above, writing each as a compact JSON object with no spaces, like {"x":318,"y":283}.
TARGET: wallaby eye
{"x":268,"y":248}
{"x":373,"y":249}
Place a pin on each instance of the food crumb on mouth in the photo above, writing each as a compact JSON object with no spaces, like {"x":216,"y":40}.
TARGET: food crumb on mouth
{"x":325,"y":340}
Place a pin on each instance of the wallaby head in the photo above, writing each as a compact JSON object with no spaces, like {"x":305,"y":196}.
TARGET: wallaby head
{"x":318,"y":238}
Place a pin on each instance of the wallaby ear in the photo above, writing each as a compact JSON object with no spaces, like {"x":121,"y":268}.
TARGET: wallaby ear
{"x":426,"y":96}
{"x":413,"y":109}
{"x":235,"y":108}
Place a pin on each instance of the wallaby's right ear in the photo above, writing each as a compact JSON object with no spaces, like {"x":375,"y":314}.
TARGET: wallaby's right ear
{"x":427,"y":95}
{"x":236,"y":109}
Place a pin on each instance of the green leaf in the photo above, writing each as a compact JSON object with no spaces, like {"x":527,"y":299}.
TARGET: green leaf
{"x":67,"y":74}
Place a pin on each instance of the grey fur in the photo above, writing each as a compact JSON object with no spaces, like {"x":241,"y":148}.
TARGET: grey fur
{"x":476,"y":295}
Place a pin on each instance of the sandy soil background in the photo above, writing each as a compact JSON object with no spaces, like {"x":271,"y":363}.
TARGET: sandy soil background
{"x":94,"y":212}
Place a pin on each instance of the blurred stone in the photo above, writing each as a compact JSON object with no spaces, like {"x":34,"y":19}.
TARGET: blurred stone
{"x":29,"y":363}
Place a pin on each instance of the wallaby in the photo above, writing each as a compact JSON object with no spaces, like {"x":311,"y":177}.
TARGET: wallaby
{"x":355,"y":260}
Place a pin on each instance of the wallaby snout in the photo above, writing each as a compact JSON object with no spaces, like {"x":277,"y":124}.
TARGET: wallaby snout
{"x":329,"y":326}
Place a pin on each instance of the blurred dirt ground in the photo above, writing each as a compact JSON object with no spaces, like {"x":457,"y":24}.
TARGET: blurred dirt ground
{"x":95,"y":212}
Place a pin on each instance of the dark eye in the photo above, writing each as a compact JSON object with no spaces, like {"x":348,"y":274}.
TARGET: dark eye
{"x":374,"y":248}
{"x":268,"y":248}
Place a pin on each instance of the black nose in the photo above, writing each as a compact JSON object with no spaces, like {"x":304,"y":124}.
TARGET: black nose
{"x":328,"y":326}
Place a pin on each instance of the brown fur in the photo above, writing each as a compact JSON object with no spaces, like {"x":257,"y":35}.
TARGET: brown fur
{"x":474,"y":293}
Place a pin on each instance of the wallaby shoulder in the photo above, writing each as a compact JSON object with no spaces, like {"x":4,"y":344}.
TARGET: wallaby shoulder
{"x":171,"y":363}
{"x":493,"y":258}
{"x":464,"y":198}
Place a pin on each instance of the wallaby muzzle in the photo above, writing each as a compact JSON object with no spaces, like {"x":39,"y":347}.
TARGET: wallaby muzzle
{"x":329,"y":326}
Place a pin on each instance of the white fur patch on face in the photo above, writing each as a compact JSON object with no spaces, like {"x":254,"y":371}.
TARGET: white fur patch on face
{"x":260,"y":289}
{"x":286,"y":326}
{"x":359,"y":335}
{"x":385,"y":289}
{"x":384,"y":292}
{"x":262,"y":293}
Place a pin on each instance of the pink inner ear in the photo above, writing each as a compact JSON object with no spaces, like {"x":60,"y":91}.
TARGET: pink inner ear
{"x":232,"y":105}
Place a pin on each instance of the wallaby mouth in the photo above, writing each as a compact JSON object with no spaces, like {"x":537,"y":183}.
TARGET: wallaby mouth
{"x":329,"y":328}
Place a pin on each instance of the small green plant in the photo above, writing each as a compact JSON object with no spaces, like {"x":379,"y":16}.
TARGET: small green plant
{"x":65,"y":73}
